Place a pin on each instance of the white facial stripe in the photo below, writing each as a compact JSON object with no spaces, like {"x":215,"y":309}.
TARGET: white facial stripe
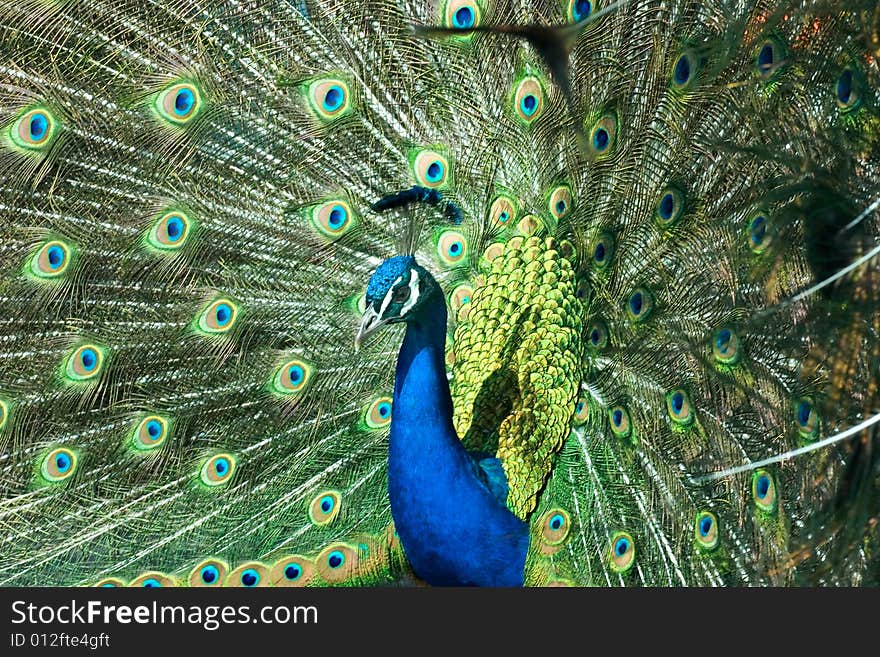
{"x":413,"y":292}
{"x":387,"y":300}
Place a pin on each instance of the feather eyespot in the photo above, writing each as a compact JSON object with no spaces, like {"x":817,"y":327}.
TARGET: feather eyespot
{"x":578,"y":10}
{"x":218,"y":470}
{"x":807,"y":419}
{"x":84,"y":363}
{"x":170,"y":231}
{"x":685,"y":70}
{"x":560,"y":202}
{"x":848,"y":91}
{"x":759,"y":233}
{"x":640,"y":304}
{"x":555,"y":526}
{"x":33,"y":130}
{"x":678,"y":406}
{"x":451,"y":248}
{"x":764,"y":491}
{"x":725,"y":346}
{"x":333,"y":218}
{"x":670,"y":207}
{"x":623,"y":552}
{"x":461,"y":14}
{"x":771,"y":56}
{"x":330,"y":98}
{"x":218,"y":317}
{"x":179,"y":104}
{"x":619,"y":419}
{"x":603,"y":135}
{"x":528,"y":99}
{"x":324,"y":508}
{"x":110,"y":583}
{"x":211,"y":572}
{"x":4,"y":413}
{"x":51,"y":260}
{"x":249,"y":575}
{"x":150,"y":433}
{"x":152,"y":580}
{"x":603,"y":251}
{"x":292,"y":377}
{"x":431,"y":169}
{"x":460,"y":299}
{"x":378,"y":414}
{"x":706,"y":530}
{"x":294,"y":570}
{"x":502,"y":212}
{"x":597,"y":335}
{"x":581,"y":411}
{"x":58,"y":465}
{"x":337,"y":562}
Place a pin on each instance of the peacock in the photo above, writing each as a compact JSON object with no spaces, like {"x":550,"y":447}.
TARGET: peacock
{"x":456,"y":292}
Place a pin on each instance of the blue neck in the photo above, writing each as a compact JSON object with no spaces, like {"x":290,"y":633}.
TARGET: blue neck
{"x":452,"y":528}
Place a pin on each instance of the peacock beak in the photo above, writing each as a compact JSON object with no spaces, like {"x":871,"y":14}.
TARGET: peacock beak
{"x":370,"y":323}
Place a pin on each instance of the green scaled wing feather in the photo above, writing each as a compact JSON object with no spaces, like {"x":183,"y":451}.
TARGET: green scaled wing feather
{"x":663,"y":283}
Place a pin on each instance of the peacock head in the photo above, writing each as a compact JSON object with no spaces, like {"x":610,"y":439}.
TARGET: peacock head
{"x":397,"y":291}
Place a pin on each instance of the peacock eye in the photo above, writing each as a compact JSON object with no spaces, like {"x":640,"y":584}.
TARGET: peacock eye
{"x":401,"y":294}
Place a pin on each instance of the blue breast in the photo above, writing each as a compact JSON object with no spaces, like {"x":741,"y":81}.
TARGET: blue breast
{"x":453,"y":528}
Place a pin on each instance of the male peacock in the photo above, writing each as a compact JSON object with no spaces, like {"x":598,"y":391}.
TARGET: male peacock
{"x":652,"y":225}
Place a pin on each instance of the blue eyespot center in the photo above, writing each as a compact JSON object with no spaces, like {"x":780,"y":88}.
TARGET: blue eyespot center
{"x":560,"y":207}
{"x":617,"y":417}
{"x":455,"y":248}
{"x":335,"y":559}
{"x":333,"y":98}
{"x":503,"y":217}
{"x":804,"y":410}
{"x":337,"y":217}
{"x":844,"y":87}
{"x":759,"y":230}
{"x":594,"y":337}
{"x":579,"y":407}
{"x":296,"y":374}
{"x":183,"y":102}
{"x":250,"y":577}
{"x":682,"y":70}
{"x":210,"y":574}
{"x":435,"y":171}
{"x":327,"y":504}
{"x":599,"y":252}
{"x":763,"y":486}
{"x":39,"y":126}
{"x":221,"y":466}
{"x":722,"y":340}
{"x":529,"y":104}
{"x":62,"y":462}
{"x":154,"y":429}
{"x":667,"y":206}
{"x":636,"y":302}
{"x":705,"y":525}
{"x":557,"y":522}
{"x":766,"y":58}
{"x":621,"y":547}
{"x":582,"y":9}
{"x":384,"y":410}
{"x":89,"y":359}
{"x":223,"y":314}
{"x":601,"y":139}
{"x":55,"y":256}
{"x":463,"y":18}
{"x":174,"y":228}
{"x":152,"y":583}
{"x":293,"y":571}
